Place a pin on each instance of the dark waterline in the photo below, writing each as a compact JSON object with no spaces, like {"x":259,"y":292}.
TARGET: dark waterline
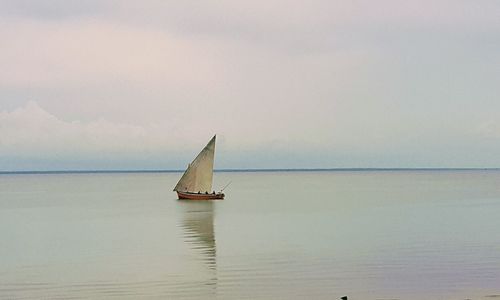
{"x":248,"y":170}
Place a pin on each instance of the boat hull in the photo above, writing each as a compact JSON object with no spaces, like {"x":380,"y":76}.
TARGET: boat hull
{"x":201,"y":196}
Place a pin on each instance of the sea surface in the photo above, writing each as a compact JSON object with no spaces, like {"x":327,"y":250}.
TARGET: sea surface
{"x":400,"y":234}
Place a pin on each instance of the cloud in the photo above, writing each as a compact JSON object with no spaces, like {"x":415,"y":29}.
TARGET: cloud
{"x":315,"y":79}
{"x":488,"y":129}
{"x":181,"y":44}
{"x":32,"y":131}
{"x":90,"y":52}
{"x":94,"y":69}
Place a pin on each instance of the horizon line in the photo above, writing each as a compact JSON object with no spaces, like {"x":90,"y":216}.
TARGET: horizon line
{"x":243,"y":170}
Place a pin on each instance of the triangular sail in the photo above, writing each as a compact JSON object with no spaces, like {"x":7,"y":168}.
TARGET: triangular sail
{"x":199,"y":174}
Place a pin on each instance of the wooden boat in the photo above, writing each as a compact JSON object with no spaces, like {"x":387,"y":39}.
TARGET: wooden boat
{"x":200,"y":196}
{"x":196,"y":182}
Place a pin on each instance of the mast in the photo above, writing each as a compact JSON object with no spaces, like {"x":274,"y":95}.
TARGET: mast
{"x":199,"y":174}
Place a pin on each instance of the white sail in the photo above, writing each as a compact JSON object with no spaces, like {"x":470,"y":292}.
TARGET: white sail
{"x":198,"y":176}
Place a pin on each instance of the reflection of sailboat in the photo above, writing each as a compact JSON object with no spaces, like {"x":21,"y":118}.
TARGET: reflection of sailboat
{"x":198,"y":227}
{"x":196,"y":182}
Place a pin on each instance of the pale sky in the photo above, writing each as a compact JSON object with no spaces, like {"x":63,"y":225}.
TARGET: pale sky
{"x":284,"y":84}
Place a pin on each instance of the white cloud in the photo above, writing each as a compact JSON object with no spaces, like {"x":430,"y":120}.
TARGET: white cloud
{"x":193,"y":86}
{"x":488,"y":129}
{"x":32,"y":131}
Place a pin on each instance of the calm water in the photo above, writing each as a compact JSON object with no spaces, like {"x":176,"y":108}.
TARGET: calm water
{"x":282,"y":235}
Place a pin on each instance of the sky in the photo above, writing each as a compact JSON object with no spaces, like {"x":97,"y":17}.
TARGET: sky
{"x":284,"y":84}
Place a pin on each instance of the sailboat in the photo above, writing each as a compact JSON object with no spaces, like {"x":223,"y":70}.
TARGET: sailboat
{"x":196,"y":182}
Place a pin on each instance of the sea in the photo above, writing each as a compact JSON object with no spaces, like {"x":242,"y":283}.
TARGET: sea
{"x":302,"y":234}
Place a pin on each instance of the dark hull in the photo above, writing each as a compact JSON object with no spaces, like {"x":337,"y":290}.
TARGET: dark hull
{"x":196,"y":196}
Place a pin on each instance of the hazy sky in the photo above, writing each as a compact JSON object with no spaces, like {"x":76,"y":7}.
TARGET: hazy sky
{"x":284,"y":84}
